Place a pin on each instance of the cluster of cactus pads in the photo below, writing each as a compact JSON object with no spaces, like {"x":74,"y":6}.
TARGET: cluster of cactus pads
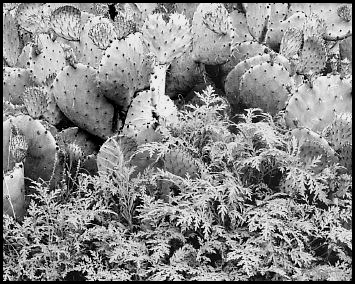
{"x":87,"y":85}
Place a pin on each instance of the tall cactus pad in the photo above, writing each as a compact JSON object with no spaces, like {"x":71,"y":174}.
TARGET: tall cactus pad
{"x":291,"y":42}
{"x":11,"y":42}
{"x":124,"y":70}
{"x":167,"y":41}
{"x":265,"y":86}
{"x":315,"y":105}
{"x":76,"y":93}
{"x":14,"y":192}
{"x":211,"y":46}
{"x":313,"y":56}
{"x":239,"y":22}
{"x":41,"y":152}
{"x":46,"y":59}
{"x":15,"y":81}
{"x":140,"y":114}
{"x":66,"y":22}
{"x":258,"y":15}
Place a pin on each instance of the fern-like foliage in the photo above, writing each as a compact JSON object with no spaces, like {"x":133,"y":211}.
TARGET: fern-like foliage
{"x":253,"y":211}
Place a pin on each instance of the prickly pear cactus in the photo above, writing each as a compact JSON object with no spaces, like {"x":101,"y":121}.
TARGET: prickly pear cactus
{"x":31,"y":17}
{"x":46,"y":59}
{"x":76,"y":93}
{"x":259,"y":88}
{"x":258,"y":15}
{"x":15,"y":81}
{"x":239,"y":22}
{"x":291,"y":42}
{"x":339,"y":134}
{"x":40,"y":103}
{"x":40,"y":156}
{"x":242,"y":51}
{"x":124,"y":70}
{"x":212,"y":30}
{"x":232,"y":81}
{"x":102,"y":34}
{"x":313,"y":56}
{"x":66,"y":22}
{"x":314,"y":104}
{"x":312,"y":145}
{"x":11,"y":42}
{"x":14,"y":192}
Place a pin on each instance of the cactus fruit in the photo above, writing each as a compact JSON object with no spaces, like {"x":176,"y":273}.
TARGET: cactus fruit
{"x":76,"y":93}
{"x":66,"y":22}
{"x":40,"y":155}
{"x":260,"y":89}
{"x":11,"y":42}
{"x":14,"y":192}
{"x":314,"y":105}
{"x":15,"y":81}
{"x":211,"y":47}
{"x":46,"y":59}
{"x":124,"y":70}
{"x":40,"y":104}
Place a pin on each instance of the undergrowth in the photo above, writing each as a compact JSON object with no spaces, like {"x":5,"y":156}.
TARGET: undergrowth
{"x":256,"y":211}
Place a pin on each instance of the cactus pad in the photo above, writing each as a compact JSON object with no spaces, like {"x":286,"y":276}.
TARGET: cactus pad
{"x":260,"y":89}
{"x":14,"y":192}
{"x":66,"y":22}
{"x":315,"y":105}
{"x":76,"y":93}
{"x":15,"y":80}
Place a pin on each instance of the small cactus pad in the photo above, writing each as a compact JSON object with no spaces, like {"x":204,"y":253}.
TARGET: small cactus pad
{"x":66,"y":22}
{"x":31,"y":17}
{"x":180,"y":163}
{"x":339,"y":132}
{"x":102,"y":34}
{"x":76,"y":93}
{"x":14,"y":192}
{"x":167,"y":41}
{"x":15,"y":81}
{"x":315,"y":105}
